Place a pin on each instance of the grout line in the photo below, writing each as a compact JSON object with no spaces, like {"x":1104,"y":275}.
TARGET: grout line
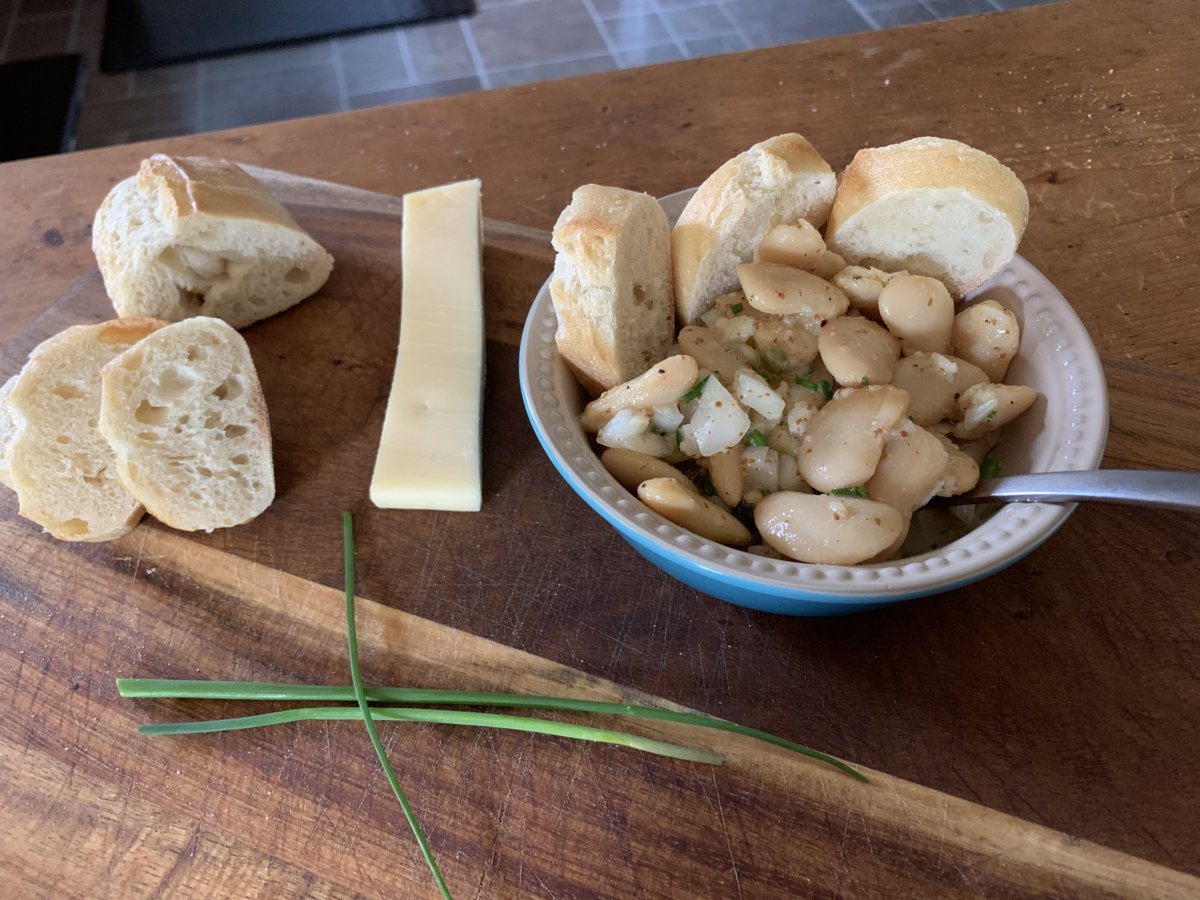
{"x":410,"y":69}
{"x":929,"y":9}
{"x":680,"y":44}
{"x":485,"y":79}
{"x":866,"y":16}
{"x":737,"y":27}
{"x":339,"y":75}
{"x":73,"y":30}
{"x":604,"y":35}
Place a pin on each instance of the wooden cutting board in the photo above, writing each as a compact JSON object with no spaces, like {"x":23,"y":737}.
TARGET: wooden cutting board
{"x":91,"y":808}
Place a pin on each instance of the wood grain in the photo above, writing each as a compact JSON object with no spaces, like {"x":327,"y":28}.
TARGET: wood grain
{"x":1063,"y":691}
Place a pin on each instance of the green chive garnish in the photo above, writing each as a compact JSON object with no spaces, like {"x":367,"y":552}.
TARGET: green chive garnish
{"x":696,"y":389}
{"x":826,"y":389}
{"x":755,"y":438}
{"x":989,"y":468}
{"x":864,"y":380}
{"x":851,"y":492}
{"x":736,"y":309}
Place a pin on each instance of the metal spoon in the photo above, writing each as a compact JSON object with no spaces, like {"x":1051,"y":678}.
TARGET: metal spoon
{"x":1167,"y":490}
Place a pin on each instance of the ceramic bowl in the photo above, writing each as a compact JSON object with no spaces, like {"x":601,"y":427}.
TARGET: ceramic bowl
{"x":1066,"y":429}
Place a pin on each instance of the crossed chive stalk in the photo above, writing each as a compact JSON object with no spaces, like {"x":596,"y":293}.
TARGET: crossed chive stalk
{"x":363,"y":697}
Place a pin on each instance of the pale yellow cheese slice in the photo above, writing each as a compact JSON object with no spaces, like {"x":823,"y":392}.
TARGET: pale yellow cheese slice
{"x":429,"y":453}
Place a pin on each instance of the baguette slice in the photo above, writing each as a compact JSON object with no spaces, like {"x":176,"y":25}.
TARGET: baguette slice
{"x":611,"y":286}
{"x":8,"y":430}
{"x":63,"y":471}
{"x":781,"y":180}
{"x":185,"y":415}
{"x":931,"y":206}
{"x":189,"y":236}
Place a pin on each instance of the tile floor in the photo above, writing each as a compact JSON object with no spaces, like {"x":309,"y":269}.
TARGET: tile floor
{"x":506,"y":42}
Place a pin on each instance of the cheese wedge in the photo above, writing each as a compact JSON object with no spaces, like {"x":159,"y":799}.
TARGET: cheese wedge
{"x":430,"y":450}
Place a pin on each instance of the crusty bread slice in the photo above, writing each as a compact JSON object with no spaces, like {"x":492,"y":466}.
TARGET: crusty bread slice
{"x":780,"y":180}
{"x":611,"y":286}
{"x":8,"y":430}
{"x":63,"y":471}
{"x":185,"y":415}
{"x":931,"y":206}
{"x":190,"y":236}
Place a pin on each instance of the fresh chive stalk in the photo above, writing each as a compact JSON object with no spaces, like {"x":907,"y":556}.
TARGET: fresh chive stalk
{"x":755,"y":438}
{"x":696,"y":390}
{"x":442,"y":717}
{"x":364,"y":708}
{"x":162,"y":688}
{"x":989,"y":468}
{"x":736,"y":309}
{"x":823,"y":387}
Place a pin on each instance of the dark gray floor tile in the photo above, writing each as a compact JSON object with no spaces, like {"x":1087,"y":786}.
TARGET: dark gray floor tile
{"x":439,"y":51}
{"x":42,"y":36}
{"x":1013,"y":4}
{"x":769,"y":22}
{"x":715,"y":46}
{"x":648,"y":56}
{"x":101,"y":88}
{"x":40,"y":7}
{"x":549,"y":71}
{"x":91,"y":17}
{"x":165,"y":78}
{"x":871,"y":5}
{"x":269,"y":97}
{"x":520,"y":35}
{"x":607,"y":9}
{"x":694,"y":22}
{"x":415,"y":92}
{"x":278,"y":59}
{"x":177,"y":110}
{"x":634,"y":32}
{"x":371,"y":62}
{"x":895,"y":16}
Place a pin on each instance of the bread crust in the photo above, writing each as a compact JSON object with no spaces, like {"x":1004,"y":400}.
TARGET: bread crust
{"x":197,"y":185}
{"x":752,"y":185}
{"x":191,"y":236}
{"x":611,"y":286}
{"x":927,"y":163}
{"x":62,"y":469}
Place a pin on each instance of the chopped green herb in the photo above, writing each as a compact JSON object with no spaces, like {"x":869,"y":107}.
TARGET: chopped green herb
{"x":755,"y":438}
{"x":736,"y":309}
{"x":851,"y":492}
{"x":707,"y":488}
{"x":678,"y":437}
{"x":992,"y":414}
{"x":989,"y":468}
{"x":697,"y":389}
{"x":817,"y":387}
{"x":865,"y":380}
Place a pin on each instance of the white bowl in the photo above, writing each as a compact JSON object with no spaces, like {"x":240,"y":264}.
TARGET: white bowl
{"x":1066,"y":429}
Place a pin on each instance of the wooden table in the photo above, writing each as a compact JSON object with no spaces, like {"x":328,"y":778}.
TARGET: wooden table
{"x":1038,"y":730}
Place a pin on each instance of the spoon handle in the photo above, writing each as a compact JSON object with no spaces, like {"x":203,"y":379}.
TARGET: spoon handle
{"x":1167,"y":490}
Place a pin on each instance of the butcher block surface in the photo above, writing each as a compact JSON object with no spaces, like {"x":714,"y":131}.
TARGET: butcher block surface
{"x":1030,"y":735}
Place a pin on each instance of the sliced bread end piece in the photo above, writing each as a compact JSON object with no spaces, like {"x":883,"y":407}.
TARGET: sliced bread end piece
{"x":929,"y":206}
{"x":778,"y":181}
{"x":63,"y":470}
{"x":611,"y":286}
{"x":189,"y":236}
{"x":8,"y":430}
{"x":185,"y":415}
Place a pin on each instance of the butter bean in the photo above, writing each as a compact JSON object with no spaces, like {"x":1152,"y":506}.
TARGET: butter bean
{"x":988,"y":335}
{"x":725,"y":470}
{"x":988,"y":407}
{"x":962,"y":472}
{"x":862,"y":286}
{"x":827,"y":265}
{"x":689,"y":510}
{"x":934,"y":382}
{"x":703,"y":345}
{"x":919,"y":311}
{"x":855,"y":349}
{"x":785,"y":347}
{"x":631,"y":468}
{"x":784,"y":291}
{"x":824,"y":530}
{"x":660,"y":385}
{"x":910,"y":469}
{"x":797,"y":245}
{"x":844,"y":440}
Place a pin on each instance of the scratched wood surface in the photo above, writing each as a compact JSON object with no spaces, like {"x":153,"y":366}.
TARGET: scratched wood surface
{"x":1063,"y":691}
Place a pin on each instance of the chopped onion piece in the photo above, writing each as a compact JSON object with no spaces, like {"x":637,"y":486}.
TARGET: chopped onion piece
{"x":756,"y":394}
{"x":717,"y":421}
